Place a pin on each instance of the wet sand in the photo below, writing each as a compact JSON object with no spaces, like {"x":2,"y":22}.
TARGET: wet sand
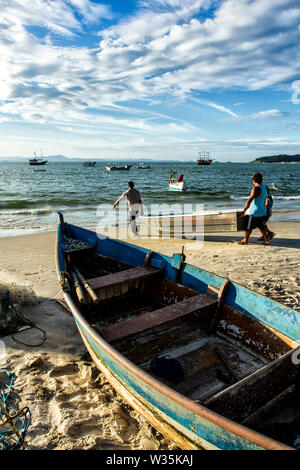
{"x":72,"y":405}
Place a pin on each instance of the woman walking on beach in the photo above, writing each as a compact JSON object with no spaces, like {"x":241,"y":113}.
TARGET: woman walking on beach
{"x":256,"y":209}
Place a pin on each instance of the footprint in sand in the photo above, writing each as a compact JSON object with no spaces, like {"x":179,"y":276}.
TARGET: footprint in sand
{"x":66,"y":369}
{"x":67,"y":397}
{"x":84,"y":428}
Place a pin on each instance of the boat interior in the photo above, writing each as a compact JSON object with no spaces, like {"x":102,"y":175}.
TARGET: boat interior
{"x":232,"y":363}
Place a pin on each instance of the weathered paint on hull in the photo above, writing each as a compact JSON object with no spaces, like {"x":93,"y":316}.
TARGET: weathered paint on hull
{"x":179,"y":418}
{"x":144,"y":409}
{"x":269,"y":312}
{"x":167,"y":415}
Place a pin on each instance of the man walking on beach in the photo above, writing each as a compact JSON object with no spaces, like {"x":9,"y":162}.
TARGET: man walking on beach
{"x":256,"y":209}
{"x":134,"y":204}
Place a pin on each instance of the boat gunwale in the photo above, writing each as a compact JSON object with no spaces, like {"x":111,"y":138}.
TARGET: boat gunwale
{"x":211,"y":416}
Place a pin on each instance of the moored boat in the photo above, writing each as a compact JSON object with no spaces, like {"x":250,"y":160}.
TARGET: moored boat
{"x":142,"y":166}
{"x":37,"y":161}
{"x":90,"y":163}
{"x":236,"y":378}
{"x":114,"y":167}
{"x":204,"y":158}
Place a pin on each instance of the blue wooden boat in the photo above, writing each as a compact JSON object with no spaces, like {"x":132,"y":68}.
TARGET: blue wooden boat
{"x":238,"y":350}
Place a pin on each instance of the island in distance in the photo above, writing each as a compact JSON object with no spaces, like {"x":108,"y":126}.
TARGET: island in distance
{"x":278,"y":159}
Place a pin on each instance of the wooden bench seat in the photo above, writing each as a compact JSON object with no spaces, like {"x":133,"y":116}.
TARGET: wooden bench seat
{"x":133,"y":274}
{"x":158,"y":317}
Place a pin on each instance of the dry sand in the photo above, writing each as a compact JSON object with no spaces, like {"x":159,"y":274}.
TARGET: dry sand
{"x":72,"y":405}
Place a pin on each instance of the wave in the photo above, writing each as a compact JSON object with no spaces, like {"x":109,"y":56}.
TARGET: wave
{"x":51,"y":204}
{"x":286,"y":198}
{"x":27,"y":212}
{"x":279,"y":198}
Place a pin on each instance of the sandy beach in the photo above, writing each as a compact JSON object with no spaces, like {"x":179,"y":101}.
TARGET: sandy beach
{"x":72,"y":405}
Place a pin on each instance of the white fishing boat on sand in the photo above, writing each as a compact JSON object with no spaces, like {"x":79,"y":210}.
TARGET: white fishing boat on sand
{"x":196,"y":223}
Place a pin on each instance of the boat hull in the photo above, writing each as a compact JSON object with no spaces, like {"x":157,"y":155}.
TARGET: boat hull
{"x":177,"y":186}
{"x":196,"y":223}
{"x":38,"y":163}
{"x":203,"y":162}
{"x":123,"y":168}
{"x":173,"y":415}
{"x":187,"y":423}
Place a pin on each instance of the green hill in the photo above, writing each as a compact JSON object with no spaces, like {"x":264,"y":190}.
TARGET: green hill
{"x":278,"y":159}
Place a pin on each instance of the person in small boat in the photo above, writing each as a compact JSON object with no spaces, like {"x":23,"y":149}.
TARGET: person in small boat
{"x":180,"y":179}
{"x":256,"y":208}
{"x":134,"y":205}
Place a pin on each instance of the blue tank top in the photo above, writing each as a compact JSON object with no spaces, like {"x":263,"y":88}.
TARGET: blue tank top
{"x":258,"y":205}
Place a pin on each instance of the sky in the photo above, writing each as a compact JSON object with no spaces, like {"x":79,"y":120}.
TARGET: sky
{"x":159,"y":79}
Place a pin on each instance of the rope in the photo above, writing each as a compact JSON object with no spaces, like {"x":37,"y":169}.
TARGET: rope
{"x":19,"y":421}
{"x":27,"y":322}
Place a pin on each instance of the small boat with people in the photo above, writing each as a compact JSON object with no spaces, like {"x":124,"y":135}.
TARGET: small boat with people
{"x":90,"y":163}
{"x":208,"y":362}
{"x":114,"y":167}
{"x":37,"y":161}
{"x":176,"y":185}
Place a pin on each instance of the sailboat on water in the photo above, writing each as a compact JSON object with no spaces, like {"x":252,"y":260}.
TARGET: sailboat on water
{"x":204,"y":158}
{"x":37,"y":160}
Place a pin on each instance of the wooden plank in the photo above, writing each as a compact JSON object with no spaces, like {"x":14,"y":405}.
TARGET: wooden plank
{"x":269,"y":409}
{"x":158,"y":317}
{"x":221,"y":297}
{"x":246,"y":396}
{"x":222,"y":356}
{"x":201,"y":381}
{"x":133,"y":274}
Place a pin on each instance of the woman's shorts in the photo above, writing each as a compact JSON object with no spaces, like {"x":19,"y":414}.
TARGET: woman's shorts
{"x":256,"y":222}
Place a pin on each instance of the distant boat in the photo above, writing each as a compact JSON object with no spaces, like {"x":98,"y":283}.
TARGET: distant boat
{"x":37,"y":160}
{"x":176,"y":185}
{"x":204,"y":158}
{"x":142,"y":166}
{"x":114,"y":167}
{"x":90,"y":163}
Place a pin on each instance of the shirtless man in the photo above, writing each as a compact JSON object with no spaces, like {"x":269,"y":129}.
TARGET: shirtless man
{"x":134,"y":204}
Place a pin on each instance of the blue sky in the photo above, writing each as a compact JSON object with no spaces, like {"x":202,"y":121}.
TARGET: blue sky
{"x":161,"y":79}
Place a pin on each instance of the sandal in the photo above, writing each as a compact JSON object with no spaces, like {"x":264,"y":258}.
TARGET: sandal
{"x":272,"y":235}
{"x":267,"y":244}
{"x":242,"y":242}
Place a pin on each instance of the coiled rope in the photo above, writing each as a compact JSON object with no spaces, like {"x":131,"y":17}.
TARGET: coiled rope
{"x":13,"y":424}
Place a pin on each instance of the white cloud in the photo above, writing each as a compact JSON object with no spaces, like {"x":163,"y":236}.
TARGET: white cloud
{"x":261,"y":115}
{"x":166,"y":48}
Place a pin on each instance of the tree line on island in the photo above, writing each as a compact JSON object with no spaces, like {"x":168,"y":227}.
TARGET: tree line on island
{"x":278,"y":159}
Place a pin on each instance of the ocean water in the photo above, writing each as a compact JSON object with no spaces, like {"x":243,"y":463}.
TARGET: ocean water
{"x":30,"y":199}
